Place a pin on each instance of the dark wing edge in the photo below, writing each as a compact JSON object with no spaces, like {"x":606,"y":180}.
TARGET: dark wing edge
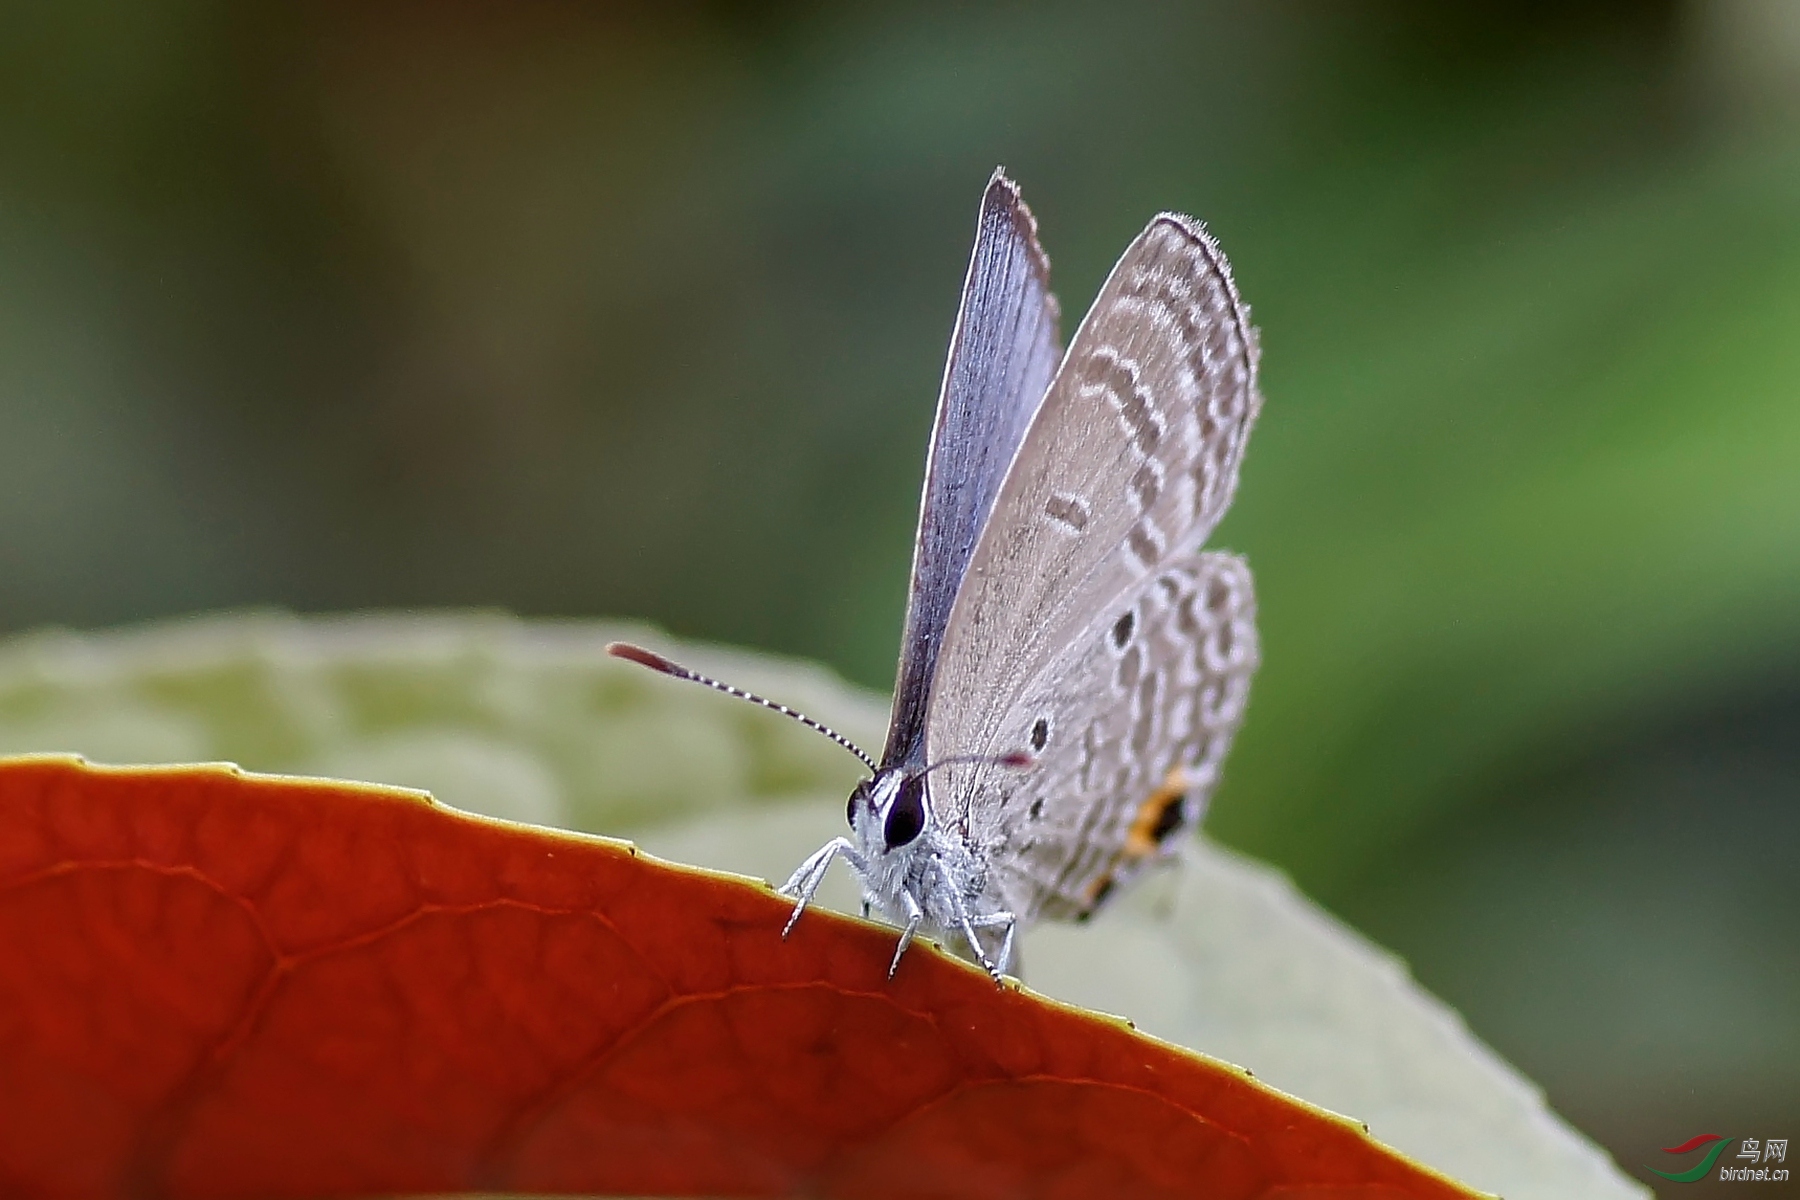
{"x":1004,"y":350}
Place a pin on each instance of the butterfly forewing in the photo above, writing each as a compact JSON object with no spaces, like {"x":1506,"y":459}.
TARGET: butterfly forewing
{"x":1130,"y":728}
{"x":1129,"y":463}
{"x":1002,"y":356}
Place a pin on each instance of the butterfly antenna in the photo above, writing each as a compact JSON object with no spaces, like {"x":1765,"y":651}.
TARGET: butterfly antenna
{"x":656,"y":662}
{"x":1014,"y":759}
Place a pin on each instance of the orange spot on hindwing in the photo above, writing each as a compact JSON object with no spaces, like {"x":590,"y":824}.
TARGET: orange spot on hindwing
{"x":1158,"y":817}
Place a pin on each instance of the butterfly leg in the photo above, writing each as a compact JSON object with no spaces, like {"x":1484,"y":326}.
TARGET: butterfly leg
{"x":914,"y":915}
{"x":803,"y":885}
{"x":997,"y":921}
{"x":968,"y":925}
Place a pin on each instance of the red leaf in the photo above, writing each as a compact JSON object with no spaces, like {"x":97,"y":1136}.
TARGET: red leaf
{"x":215,"y":984}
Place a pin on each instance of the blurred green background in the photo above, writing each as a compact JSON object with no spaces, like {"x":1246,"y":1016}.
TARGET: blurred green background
{"x":590,"y":309}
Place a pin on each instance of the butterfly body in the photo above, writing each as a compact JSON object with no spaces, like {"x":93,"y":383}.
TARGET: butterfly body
{"x":916,"y":869}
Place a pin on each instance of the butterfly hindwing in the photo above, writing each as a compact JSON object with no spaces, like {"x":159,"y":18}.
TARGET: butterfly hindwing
{"x":1002,"y":355}
{"x":1130,"y":729}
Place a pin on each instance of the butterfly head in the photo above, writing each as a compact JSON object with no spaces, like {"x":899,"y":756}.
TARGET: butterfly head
{"x":889,"y":811}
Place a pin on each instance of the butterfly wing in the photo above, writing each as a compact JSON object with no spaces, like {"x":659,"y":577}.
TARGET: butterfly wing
{"x":1002,"y":356}
{"x":1130,"y":727}
{"x":1128,"y":465}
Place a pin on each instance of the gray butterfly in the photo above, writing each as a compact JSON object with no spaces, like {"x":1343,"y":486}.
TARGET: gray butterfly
{"x":1074,"y":665}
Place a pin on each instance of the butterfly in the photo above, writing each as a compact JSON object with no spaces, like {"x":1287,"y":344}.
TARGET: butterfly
{"x":1074,"y":664}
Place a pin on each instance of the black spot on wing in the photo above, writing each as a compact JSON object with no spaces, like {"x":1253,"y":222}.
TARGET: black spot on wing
{"x":1146,"y":485}
{"x":1143,"y":544}
{"x":1136,"y":408}
{"x":1169,"y":819}
{"x":1067,"y":511}
{"x":1102,"y":888}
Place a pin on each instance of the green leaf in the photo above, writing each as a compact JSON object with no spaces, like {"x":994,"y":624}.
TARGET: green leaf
{"x":532,"y":721}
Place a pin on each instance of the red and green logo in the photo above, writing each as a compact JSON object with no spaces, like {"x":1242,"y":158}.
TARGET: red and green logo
{"x":1717,"y":1146}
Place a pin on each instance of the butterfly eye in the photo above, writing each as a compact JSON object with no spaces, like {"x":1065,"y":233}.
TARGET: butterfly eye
{"x":859,"y":795}
{"x":906,"y":819}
